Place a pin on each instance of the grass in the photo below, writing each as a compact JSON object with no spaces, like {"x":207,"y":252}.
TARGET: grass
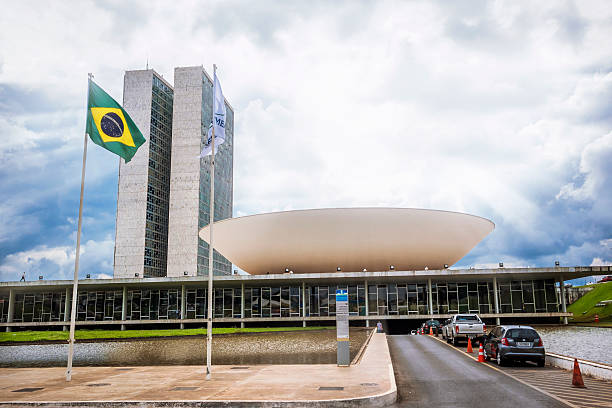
{"x":118,"y":334}
{"x":584,"y":309}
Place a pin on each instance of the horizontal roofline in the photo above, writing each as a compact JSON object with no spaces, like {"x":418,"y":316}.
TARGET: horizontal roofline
{"x":450,"y":275}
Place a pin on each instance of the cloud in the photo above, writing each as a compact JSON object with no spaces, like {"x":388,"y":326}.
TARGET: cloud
{"x":499,"y":109}
{"x":58,"y":262}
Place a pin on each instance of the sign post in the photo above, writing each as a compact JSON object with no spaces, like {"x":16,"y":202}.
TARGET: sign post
{"x":342,"y":328}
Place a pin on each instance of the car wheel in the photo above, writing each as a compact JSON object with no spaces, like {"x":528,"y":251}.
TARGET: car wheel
{"x":500,"y":360}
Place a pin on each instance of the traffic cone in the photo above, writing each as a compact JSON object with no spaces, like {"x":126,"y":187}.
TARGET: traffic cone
{"x":430,"y":330}
{"x":577,"y":377}
{"x":469,"y":349}
{"x":481,"y":354}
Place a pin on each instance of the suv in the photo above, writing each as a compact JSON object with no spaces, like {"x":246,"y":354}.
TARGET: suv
{"x":522,"y":343}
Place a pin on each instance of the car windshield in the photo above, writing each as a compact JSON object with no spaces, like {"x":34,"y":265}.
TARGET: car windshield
{"x":527,"y":334}
{"x":467,"y":318}
{"x":433,"y":323}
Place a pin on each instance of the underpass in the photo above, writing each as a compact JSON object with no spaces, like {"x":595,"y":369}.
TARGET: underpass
{"x":429,"y":373}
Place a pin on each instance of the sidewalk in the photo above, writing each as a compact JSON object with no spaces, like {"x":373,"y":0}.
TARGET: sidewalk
{"x":368,"y":383}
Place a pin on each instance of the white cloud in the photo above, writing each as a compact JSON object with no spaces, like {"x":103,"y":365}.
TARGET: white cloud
{"x":499,"y":110}
{"x":58,"y":262}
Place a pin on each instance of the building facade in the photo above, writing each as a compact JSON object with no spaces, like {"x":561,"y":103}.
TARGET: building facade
{"x":190,"y":176}
{"x":163,"y":193}
{"x":141,"y":235}
{"x":523,"y":294}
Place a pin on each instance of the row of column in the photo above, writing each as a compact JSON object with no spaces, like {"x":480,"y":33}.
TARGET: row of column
{"x":11,"y":305}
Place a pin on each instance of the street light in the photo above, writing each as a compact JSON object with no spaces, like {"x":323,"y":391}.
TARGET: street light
{"x":364,"y":270}
{"x":136,"y":275}
{"x":40,"y":277}
{"x":338,"y":269}
{"x":501,"y":264}
{"x":88,"y":276}
{"x":445,"y":266}
{"x":185,"y":273}
{"x":391,"y":267}
{"x":286,"y":270}
{"x":557,"y":263}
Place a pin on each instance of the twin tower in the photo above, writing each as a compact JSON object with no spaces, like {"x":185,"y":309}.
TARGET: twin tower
{"x":164,"y":191}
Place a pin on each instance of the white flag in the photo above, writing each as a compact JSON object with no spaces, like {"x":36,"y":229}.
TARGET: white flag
{"x":218,"y":121}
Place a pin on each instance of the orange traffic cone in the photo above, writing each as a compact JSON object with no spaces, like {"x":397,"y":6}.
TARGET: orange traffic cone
{"x":577,"y":377}
{"x":431,"y":330}
{"x":469,"y":349}
{"x":481,"y":354}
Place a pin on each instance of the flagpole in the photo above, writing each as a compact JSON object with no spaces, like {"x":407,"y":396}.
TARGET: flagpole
{"x":209,"y":315}
{"x":76,"y":266}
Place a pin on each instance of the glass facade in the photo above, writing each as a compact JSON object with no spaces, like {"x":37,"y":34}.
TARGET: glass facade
{"x":224,"y":165}
{"x":389,"y":299}
{"x":158,"y":186}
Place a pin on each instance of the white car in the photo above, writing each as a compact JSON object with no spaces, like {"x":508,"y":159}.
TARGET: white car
{"x":463,"y":326}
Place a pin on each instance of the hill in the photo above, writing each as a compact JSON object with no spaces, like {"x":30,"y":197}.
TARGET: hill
{"x":585,"y":309}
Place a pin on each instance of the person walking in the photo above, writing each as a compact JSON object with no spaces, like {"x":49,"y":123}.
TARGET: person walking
{"x":22,"y":277}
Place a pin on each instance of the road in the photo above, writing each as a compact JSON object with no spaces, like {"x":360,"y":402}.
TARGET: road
{"x":431,"y":374}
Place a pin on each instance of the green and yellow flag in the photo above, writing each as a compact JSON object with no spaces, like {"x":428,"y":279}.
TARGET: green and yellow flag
{"x":109,"y":125}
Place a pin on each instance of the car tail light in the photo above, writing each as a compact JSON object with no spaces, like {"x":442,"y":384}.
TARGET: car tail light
{"x":457,"y":329}
{"x":484,"y":328}
{"x":540,"y":344}
{"x":504,"y":341}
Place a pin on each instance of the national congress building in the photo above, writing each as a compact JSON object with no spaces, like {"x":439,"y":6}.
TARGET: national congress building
{"x":395,"y":263}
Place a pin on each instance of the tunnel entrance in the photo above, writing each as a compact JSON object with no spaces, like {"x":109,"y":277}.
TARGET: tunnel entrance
{"x":402,"y":326}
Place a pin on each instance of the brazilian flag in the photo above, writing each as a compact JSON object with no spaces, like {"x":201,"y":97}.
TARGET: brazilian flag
{"x":109,"y":125}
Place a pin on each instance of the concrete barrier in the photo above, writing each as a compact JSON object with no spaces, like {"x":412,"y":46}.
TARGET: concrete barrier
{"x":590,"y":368}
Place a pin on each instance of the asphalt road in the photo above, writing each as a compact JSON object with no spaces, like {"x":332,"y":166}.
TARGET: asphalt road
{"x":431,"y":374}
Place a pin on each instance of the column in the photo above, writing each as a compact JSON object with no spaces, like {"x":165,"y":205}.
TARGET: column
{"x":242,"y":305}
{"x":563,"y":305}
{"x":67,"y":307}
{"x":11,"y":309}
{"x":303,"y":304}
{"x":367,"y":304}
{"x":430,"y":297}
{"x":496,"y":299}
{"x":123,"y":306}
{"x":183,"y":303}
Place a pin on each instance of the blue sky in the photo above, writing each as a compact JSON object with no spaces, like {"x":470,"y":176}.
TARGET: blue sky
{"x":498,"y":109}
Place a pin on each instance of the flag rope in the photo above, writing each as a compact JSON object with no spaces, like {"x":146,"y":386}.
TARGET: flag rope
{"x":76,"y":270}
{"x":210,"y":250}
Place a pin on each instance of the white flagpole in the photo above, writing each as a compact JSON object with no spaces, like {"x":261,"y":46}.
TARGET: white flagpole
{"x":209,"y":315}
{"x":76,"y":266}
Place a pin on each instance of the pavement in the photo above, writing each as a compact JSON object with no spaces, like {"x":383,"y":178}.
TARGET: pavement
{"x":555,"y":382}
{"x":370,"y":382}
{"x":430,"y":373}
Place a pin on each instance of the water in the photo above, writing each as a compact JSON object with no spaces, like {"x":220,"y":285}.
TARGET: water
{"x":300,"y":347}
{"x":589,"y":343}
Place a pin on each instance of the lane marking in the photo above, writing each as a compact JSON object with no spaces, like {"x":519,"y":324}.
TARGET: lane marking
{"x":507,"y":374}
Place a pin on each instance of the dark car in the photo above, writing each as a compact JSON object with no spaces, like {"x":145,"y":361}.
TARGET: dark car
{"x":516,"y":343}
{"x":434,"y":324}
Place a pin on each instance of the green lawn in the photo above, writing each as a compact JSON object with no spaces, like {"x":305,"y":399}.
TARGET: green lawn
{"x":584,"y":309}
{"x":118,"y":334}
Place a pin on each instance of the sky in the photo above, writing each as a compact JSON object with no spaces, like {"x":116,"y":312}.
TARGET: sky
{"x":500,"y":109}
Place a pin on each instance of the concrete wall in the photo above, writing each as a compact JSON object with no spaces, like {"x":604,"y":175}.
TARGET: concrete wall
{"x":590,"y":368}
{"x":185,"y":172}
{"x":133,"y":180}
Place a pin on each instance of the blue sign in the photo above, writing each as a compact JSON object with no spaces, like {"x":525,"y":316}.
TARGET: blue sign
{"x":341,"y":295}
